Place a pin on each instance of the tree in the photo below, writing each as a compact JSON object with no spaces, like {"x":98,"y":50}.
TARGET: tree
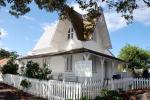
{"x":10,"y":67}
{"x":4,"y":54}
{"x":137,"y":57}
{"x":125,"y":7}
{"x":7,"y":54}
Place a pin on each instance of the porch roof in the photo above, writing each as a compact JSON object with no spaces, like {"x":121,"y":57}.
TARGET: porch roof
{"x":74,"y":51}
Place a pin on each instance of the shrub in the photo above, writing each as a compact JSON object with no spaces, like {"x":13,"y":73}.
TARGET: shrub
{"x":84,"y":98}
{"x":110,"y":95}
{"x":99,"y":98}
{"x":34,"y":71}
{"x":44,"y":73}
{"x":145,"y":73}
{"x":10,"y":67}
{"x":25,"y":83}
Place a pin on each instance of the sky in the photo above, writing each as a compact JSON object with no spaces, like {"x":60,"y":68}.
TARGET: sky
{"x":21,"y":34}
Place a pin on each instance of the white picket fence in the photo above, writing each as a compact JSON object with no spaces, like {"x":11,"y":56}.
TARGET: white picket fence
{"x":58,"y":90}
{"x":141,"y":83}
{"x":52,"y":90}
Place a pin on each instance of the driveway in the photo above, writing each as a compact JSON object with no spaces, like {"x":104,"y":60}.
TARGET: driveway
{"x":10,"y":93}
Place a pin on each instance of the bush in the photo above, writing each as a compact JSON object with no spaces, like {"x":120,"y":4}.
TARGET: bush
{"x":145,"y":73}
{"x":44,"y":73}
{"x":109,"y":95}
{"x":34,"y":71}
{"x":10,"y":67}
{"x":99,"y":98}
{"x":84,"y":98}
{"x":25,"y":83}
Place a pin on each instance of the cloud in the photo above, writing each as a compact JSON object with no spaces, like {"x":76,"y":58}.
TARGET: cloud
{"x":28,"y":18}
{"x":142,"y":15}
{"x":114,"y":21}
{"x":48,"y":26}
{"x":3,"y":32}
{"x":78,"y":9}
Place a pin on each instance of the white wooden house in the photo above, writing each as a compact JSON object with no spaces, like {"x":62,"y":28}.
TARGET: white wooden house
{"x":72,"y":57}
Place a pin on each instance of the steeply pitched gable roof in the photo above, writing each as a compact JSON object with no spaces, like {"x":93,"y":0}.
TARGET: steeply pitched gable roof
{"x":83,"y":25}
{"x":77,"y":22}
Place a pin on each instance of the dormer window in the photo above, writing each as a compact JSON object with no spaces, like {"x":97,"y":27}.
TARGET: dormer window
{"x":70,"y":33}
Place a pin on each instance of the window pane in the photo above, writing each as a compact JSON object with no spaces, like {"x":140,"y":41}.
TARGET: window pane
{"x":71,"y":35}
{"x":69,"y":30}
{"x":69,"y":64}
{"x":68,"y":36}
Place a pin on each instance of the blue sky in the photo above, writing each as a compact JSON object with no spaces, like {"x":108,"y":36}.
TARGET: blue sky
{"x":22,"y":34}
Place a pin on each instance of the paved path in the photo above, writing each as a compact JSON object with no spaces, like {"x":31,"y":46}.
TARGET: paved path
{"x":10,"y":93}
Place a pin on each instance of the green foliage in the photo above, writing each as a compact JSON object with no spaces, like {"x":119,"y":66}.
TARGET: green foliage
{"x":130,"y":86}
{"x":137,"y":57}
{"x":84,"y":98}
{"x":10,"y":67}
{"x":25,"y":83}
{"x":109,"y":95}
{"x":125,"y":7}
{"x":69,"y":99}
{"x":34,"y":71}
{"x":99,"y":98}
{"x":6,"y":54}
{"x":44,"y":73}
{"x":145,"y":73}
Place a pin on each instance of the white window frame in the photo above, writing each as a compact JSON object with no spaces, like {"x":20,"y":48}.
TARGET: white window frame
{"x":68,"y":63}
{"x":94,"y":68}
{"x":70,"y":33}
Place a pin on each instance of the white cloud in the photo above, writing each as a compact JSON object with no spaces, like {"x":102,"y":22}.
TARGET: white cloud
{"x":78,"y":9}
{"x":3,"y":32}
{"x":47,"y":26}
{"x":28,"y":18}
{"x":114,"y":21}
{"x":142,"y":15}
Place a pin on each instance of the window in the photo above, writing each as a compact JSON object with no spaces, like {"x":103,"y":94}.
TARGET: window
{"x":69,"y":63}
{"x":93,"y":58}
{"x":70,"y":33}
{"x":94,"y":64}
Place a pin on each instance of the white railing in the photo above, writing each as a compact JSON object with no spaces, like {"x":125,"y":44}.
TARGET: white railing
{"x":59,"y":90}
